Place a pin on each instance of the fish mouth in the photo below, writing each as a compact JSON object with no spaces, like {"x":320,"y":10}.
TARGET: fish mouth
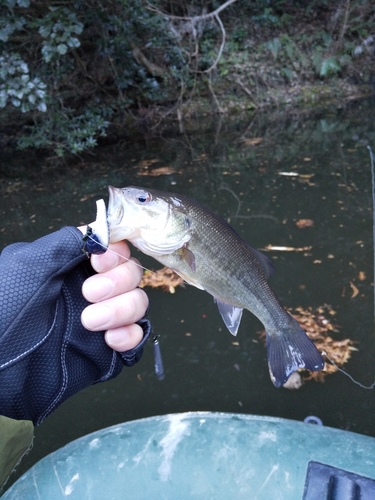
{"x":115,"y":210}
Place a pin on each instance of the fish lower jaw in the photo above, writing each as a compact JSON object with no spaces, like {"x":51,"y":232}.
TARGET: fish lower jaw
{"x":119,"y":234}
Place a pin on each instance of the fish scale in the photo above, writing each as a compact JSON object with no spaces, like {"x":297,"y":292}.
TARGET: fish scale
{"x":204,"y":249}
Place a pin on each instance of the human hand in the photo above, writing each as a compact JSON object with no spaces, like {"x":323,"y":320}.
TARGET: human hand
{"x":42,"y":338}
{"x":117,"y":302}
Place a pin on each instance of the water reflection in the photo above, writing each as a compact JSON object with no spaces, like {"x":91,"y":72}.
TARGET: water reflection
{"x":235,"y":168}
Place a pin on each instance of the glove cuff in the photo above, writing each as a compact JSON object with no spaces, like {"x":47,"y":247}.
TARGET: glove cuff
{"x":132,"y":356}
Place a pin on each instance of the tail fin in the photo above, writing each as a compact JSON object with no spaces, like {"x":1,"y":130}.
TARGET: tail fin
{"x":289,"y":350}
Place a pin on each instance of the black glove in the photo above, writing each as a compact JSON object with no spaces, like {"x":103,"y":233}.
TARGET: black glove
{"x":46,"y":355}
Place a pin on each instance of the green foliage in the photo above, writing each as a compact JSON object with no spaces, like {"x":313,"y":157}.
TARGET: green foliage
{"x":266,"y":17}
{"x":66,"y":132}
{"x":8,"y":26}
{"x":329,"y":66}
{"x":46,"y":73}
{"x":17,"y":87}
{"x":274,"y":46}
{"x":239,"y":34}
{"x":309,"y":55}
{"x":58,"y":28}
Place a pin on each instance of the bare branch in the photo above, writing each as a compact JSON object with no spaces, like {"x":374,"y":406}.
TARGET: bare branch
{"x":194,"y":18}
{"x":142,"y":60}
{"x":220,"y":109}
{"x":221,"y":46}
{"x":193,"y":21}
{"x":247,"y":91}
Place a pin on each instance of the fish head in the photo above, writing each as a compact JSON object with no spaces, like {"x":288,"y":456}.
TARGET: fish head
{"x":157,"y":223}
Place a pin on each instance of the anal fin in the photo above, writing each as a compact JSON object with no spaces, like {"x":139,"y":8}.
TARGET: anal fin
{"x":231,"y":316}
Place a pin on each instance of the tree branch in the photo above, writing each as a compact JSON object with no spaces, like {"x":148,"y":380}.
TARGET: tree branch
{"x":220,"y":109}
{"x":194,"y":18}
{"x":221,"y":46}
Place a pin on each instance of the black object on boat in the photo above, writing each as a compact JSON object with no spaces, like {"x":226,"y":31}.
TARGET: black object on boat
{"x":331,"y":483}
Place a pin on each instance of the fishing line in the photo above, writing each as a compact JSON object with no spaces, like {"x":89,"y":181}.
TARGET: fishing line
{"x":118,"y":254}
{"x":372,"y":386}
{"x":372,"y":157}
{"x":158,"y":360}
{"x":123,"y":257}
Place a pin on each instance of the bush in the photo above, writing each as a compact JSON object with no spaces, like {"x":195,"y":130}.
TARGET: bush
{"x":68,"y":68}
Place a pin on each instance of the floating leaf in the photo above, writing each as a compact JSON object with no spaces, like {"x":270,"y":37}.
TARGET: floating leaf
{"x":301,"y":223}
{"x":354,"y":289}
{"x":274,"y":248}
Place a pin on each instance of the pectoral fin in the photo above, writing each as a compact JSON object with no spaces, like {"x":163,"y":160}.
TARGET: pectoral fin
{"x":188,"y":256}
{"x":231,"y":316}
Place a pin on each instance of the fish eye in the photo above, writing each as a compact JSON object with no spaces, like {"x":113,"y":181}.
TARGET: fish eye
{"x":143,"y":197}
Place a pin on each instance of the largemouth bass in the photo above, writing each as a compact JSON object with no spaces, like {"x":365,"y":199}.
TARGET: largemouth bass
{"x":205,"y":251}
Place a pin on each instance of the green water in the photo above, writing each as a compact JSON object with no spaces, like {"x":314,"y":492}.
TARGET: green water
{"x":244,"y":182}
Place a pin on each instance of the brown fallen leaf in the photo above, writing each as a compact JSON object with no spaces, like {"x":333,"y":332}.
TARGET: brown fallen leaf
{"x":157,"y":171}
{"x":306,"y":176}
{"x":303,"y":178}
{"x":14,"y":187}
{"x":361,"y":276}
{"x":354,"y":289}
{"x":86,"y":197}
{"x":201,"y":157}
{"x":147,"y":163}
{"x":301,"y":223}
{"x":253,"y":141}
{"x":164,"y":278}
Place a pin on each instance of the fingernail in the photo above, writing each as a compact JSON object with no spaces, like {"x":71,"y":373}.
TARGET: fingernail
{"x":105,"y":261}
{"x":97,"y":288}
{"x":96,"y":317}
{"x":115,"y":337}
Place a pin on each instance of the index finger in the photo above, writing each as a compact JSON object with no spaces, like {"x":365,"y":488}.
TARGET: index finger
{"x":116,"y":254}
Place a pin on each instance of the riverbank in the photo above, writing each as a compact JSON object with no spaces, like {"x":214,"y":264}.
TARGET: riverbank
{"x":75,"y":77}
